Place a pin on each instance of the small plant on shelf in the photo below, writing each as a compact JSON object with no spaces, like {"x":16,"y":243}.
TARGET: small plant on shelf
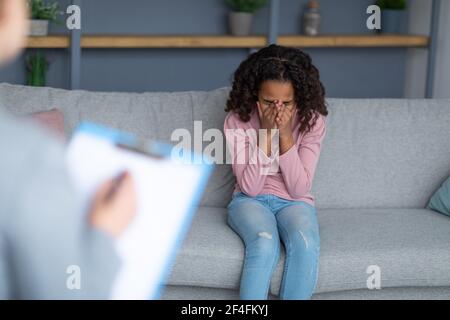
{"x":41,"y":14}
{"x":393,"y":15}
{"x":249,"y":6}
{"x":241,"y":17}
{"x":37,"y":66}
{"x":392,"y":4}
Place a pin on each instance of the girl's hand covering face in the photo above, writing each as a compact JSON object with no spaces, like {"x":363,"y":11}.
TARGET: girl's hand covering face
{"x":284,"y":120}
{"x":276,"y":115}
{"x":267,"y":115}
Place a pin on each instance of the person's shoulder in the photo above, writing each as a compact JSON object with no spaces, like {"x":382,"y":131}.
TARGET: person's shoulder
{"x":232,"y":116}
{"x":26,"y":148}
{"x":23,"y":137}
{"x":234,"y":121}
{"x":318,"y":126}
{"x":321,"y":121}
{"x":30,"y":159}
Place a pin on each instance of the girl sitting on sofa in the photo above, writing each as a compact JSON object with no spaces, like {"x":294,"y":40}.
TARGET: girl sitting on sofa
{"x":278,"y":94}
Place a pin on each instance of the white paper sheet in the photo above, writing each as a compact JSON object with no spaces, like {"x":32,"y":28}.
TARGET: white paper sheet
{"x":165,"y":192}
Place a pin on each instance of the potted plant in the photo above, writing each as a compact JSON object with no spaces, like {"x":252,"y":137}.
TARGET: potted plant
{"x":37,"y":66}
{"x":393,"y":15}
{"x":241,"y":18}
{"x":41,"y":14}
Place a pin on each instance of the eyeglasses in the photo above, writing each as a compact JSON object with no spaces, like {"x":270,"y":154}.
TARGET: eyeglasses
{"x":288,"y":105}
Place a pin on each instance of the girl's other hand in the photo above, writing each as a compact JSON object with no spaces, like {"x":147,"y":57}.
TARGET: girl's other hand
{"x":284,"y":121}
{"x":267,"y":116}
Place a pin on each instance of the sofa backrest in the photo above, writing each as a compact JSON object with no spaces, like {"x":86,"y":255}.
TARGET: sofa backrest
{"x":377,"y":153}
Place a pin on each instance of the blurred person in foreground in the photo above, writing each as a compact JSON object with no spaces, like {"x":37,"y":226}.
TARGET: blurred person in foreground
{"x":43,"y":231}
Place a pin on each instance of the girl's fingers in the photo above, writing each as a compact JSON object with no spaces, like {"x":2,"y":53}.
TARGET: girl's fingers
{"x":288,"y":116}
{"x":284,"y":116}
{"x":272,"y":116}
{"x":267,"y":111}
{"x":281,"y":114}
{"x":273,"y":113}
{"x":259,"y":109}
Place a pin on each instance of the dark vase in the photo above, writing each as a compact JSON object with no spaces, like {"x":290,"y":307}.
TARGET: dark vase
{"x":393,"y":21}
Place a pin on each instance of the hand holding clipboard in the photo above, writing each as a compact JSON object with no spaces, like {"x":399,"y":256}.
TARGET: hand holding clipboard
{"x":115,"y":205}
{"x":167,"y":193}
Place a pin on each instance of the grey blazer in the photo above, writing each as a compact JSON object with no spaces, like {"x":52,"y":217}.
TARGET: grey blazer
{"x":45,"y":240}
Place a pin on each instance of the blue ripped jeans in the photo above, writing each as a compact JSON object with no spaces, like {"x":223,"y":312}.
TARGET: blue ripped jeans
{"x":261,"y":222}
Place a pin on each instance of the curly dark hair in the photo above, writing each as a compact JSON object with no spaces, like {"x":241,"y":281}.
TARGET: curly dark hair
{"x":284,"y":64}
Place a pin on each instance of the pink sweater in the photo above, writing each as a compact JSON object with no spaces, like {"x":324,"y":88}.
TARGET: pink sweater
{"x":295,"y":171}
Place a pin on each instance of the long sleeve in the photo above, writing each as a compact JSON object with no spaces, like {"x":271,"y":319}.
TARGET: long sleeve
{"x":251,"y":165}
{"x":43,"y":230}
{"x":299,"y":163}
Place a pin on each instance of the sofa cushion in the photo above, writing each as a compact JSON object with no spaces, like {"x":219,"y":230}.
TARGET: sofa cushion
{"x":383,"y":153}
{"x":153,"y":115}
{"x":409,"y":245}
{"x":440,"y":201}
{"x":398,"y":148}
{"x":52,"y":120}
{"x":209,"y":109}
{"x":148,"y":115}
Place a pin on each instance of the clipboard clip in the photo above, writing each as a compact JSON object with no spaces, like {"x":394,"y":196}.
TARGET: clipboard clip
{"x":141,"y":148}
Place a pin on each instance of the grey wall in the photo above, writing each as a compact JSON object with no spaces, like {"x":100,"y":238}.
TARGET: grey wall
{"x":416,"y":59}
{"x":416,"y":66}
{"x":345,"y":72}
{"x":442,"y":79}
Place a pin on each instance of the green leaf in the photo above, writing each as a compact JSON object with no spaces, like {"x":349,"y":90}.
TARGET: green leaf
{"x":37,"y":66}
{"x":249,"y":6}
{"x":41,"y":10}
{"x":392,"y":4}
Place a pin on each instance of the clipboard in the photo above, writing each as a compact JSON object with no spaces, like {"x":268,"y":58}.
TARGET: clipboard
{"x":168,"y":193}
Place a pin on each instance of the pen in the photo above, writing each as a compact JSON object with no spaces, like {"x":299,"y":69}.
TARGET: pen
{"x":116,"y":183}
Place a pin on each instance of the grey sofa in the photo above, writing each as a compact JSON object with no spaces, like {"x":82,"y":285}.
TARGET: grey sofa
{"x":381,"y":161}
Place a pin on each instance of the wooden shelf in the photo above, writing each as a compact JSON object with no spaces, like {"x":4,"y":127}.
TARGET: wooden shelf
{"x":49,"y":42}
{"x":148,"y":42}
{"x":354,"y":41}
{"x":172,"y":42}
